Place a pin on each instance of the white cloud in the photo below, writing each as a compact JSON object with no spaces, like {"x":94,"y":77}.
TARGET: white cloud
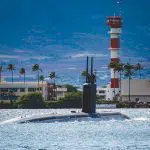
{"x":18,"y":51}
{"x":71,"y":68}
{"x":25,"y":57}
{"x":9,"y":56}
{"x":80,"y":55}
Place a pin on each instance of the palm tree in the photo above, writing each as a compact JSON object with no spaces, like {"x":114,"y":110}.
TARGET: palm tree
{"x":128,"y":72}
{"x":22,"y":71}
{"x":95,"y":73}
{"x":139,"y":67}
{"x":11,"y":68}
{"x":1,"y":69}
{"x":113,"y":65}
{"x":52,"y":75}
{"x":120,"y":68}
{"x":36,"y":68}
{"x":84,"y":74}
{"x":42,"y":79}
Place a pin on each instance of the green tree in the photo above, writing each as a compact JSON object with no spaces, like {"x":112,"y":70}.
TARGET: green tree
{"x":114,"y":66}
{"x":71,"y":100}
{"x":42,"y":79}
{"x":11,"y":68}
{"x":70,"y":88}
{"x":10,"y":95}
{"x":30,"y":101}
{"x":36,"y":68}
{"x":1,"y":69}
{"x":22,"y":71}
{"x":128,"y":72}
{"x":120,"y":68}
{"x":84,"y":73}
{"x":52,"y":75}
{"x":139,"y":67}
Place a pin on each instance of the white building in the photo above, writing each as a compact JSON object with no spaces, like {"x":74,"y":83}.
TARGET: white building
{"x":101,"y":92}
{"x":111,"y":92}
{"x":139,"y":90}
{"x":17,"y":89}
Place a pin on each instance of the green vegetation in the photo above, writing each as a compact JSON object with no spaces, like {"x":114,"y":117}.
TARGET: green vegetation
{"x":84,"y":73}
{"x":22,"y":71}
{"x":52,"y":75}
{"x":42,"y":80}
{"x":30,"y":101}
{"x":71,"y":100}
{"x":114,"y":66}
{"x":70,"y":88}
{"x":120,"y":104}
{"x":139,"y":67}
{"x":11,"y":68}
{"x":105,"y":102}
{"x":35,"y":101}
{"x":128,"y":71}
{"x":6,"y":105}
{"x":36,"y":68}
{"x":1,"y":69}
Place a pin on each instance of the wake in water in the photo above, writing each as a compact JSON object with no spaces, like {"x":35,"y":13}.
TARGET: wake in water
{"x":65,"y":118}
{"x":142,"y":119}
{"x":11,"y":120}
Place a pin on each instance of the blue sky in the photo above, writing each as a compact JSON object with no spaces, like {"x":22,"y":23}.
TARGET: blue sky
{"x":58,"y":34}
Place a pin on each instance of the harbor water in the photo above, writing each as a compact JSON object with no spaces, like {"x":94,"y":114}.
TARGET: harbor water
{"x":112,"y":134}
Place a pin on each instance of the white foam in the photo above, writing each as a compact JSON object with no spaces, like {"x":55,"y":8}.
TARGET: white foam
{"x":10,"y":120}
{"x":142,"y":119}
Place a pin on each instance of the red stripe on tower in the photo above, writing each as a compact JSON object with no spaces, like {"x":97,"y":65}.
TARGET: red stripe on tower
{"x":115,"y":60}
{"x":115,"y":43}
{"x":115,"y":83}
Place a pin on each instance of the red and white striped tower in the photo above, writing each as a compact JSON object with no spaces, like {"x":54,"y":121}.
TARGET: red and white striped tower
{"x":115,"y":24}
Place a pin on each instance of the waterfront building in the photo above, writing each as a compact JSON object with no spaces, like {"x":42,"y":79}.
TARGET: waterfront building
{"x":139,"y":90}
{"x":14,"y":90}
{"x":101,"y":92}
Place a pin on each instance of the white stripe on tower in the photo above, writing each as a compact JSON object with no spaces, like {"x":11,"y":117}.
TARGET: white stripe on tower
{"x":115,"y":23}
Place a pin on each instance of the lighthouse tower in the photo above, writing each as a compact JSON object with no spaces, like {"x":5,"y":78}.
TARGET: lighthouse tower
{"x":115,"y":24}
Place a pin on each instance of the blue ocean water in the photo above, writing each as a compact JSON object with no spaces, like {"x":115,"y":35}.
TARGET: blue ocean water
{"x":59,"y":35}
{"x":113,"y":134}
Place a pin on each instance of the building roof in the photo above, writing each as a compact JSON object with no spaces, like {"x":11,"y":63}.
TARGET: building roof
{"x":30,"y":85}
{"x":20,"y":84}
{"x":137,"y":87}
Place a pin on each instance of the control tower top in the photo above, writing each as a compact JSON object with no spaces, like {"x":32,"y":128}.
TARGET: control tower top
{"x":114,"y":21}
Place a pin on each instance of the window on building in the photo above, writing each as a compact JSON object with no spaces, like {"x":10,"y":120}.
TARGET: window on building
{"x":137,"y":99}
{"x":31,"y":89}
{"x":13,"y":89}
{"x":101,"y":91}
{"x":22,"y":89}
{"x":39,"y":89}
{"x":4,"y":89}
